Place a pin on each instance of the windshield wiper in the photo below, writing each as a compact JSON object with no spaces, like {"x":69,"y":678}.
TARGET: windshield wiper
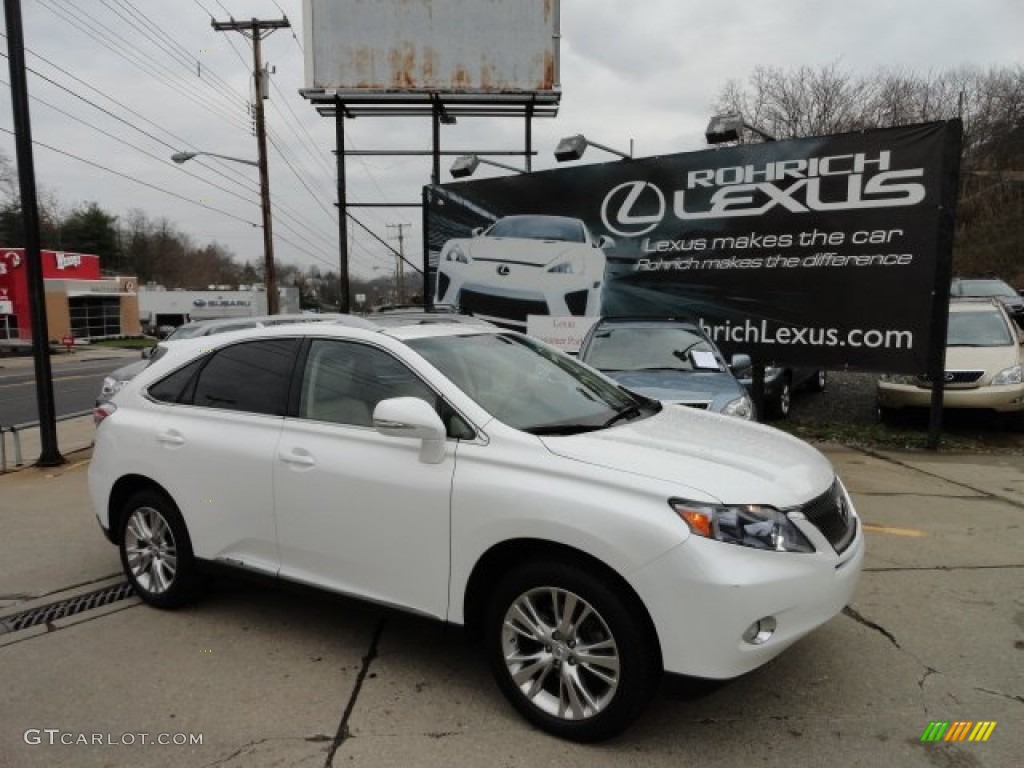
{"x":561,"y":429}
{"x":629,"y":412}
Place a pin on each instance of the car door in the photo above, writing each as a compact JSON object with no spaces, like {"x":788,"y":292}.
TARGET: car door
{"x":216,"y":436}
{"x":357,"y":511}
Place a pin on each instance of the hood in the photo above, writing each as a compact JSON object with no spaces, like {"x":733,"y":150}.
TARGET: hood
{"x":538,"y":253}
{"x":683,"y":386}
{"x":734,"y":461}
{"x":990,"y":359}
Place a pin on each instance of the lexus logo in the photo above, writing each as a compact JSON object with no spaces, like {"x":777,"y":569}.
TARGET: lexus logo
{"x":620,"y":209}
{"x":503,"y":270}
{"x":949,"y":376}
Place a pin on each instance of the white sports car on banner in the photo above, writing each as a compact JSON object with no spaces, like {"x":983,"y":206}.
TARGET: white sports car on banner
{"x":524,"y":265}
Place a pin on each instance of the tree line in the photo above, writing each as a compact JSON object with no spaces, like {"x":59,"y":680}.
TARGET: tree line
{"x":810,"y":101}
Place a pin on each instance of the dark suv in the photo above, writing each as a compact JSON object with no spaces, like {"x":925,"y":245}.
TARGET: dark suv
{"x":990,"y":287}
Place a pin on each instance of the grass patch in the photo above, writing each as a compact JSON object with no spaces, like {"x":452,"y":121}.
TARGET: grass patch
{"x":134,"y":343}
{"x":885,"y":437}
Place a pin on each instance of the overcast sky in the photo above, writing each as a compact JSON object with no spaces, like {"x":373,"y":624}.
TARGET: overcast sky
{"x":642,"y":70}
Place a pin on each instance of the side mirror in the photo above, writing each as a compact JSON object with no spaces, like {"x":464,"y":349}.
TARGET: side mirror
{"x":605,"y":242}
{"x":147,"y":352}
{"x":740,"y":363}
{"x":477,"y":231}
{"x":412,"y":417}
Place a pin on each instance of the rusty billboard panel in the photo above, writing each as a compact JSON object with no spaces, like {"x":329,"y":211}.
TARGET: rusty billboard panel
{"x":465,"y":47}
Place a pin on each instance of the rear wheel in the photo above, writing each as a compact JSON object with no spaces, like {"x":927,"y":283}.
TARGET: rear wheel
{"x":818,"y":382}
{"x":569,"y":652}
{"x":156,"y":552}
{"x":783,"y":400}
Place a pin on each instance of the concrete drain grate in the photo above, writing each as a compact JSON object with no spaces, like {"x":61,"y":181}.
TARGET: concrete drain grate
{"x":44,"y":614}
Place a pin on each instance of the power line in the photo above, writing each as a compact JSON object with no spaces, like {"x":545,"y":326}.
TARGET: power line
{"x":104,"y":40}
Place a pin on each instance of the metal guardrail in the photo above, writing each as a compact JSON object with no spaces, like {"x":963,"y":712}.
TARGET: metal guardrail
{"x":17,"y":429}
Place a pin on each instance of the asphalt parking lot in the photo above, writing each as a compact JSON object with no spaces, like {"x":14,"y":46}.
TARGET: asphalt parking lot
{"x":268,"y":675}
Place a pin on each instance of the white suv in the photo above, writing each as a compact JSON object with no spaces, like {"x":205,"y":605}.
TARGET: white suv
{"x":590,"y":538}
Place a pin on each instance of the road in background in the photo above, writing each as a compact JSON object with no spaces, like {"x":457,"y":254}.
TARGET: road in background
{"x":75,"y":384}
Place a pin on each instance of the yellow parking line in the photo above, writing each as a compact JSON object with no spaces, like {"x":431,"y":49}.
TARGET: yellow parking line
{"x":893,"y":531}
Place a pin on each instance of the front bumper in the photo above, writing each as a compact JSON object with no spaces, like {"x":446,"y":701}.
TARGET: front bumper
{"x":523,"y":291}
{"x":703,"y":595}
{"x":1007,"y":398}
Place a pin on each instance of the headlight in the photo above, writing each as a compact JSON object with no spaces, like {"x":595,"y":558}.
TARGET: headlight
{"x":749,"y":525}
{"x":898,"y":378}
{"x":573,"y":265}
{"x":741,"y":408}
{"x":455,"y":253}
{"x":1012,"y":375}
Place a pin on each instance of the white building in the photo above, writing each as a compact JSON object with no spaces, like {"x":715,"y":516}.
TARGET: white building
{"x":159,"y":306}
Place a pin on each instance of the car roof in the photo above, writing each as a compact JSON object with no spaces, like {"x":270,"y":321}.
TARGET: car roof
{"x":648,"y":322}
{"x":974,"y":303}
{"x":393,"y":319}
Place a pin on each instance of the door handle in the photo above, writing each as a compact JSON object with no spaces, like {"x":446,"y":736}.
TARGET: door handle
{"x":298,"y":459}
{"x":171,"y":437}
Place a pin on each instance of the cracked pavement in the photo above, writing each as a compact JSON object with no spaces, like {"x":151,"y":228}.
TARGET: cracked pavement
{"x":281,"y":676}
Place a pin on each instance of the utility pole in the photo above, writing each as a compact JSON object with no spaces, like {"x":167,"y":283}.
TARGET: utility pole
{"x":256,"y":30}
{"x":400,"y":274}
{"x":50,"y":455}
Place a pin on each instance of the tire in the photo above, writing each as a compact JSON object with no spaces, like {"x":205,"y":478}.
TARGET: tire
{"x":780,"y":406}
{"x":818,"y":381}
{"x":536,"y":659}
{"x":886,"y":416}
{"x":156,"y":552}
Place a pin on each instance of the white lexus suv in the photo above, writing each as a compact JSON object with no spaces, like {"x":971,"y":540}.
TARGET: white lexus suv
{"x":588,"y":537}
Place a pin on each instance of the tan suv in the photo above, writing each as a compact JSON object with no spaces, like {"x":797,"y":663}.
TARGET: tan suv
{"x":984,"y":360}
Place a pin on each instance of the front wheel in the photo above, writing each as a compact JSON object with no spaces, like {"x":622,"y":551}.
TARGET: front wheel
{"x":569,"y":652}
{"x":156,"y":551}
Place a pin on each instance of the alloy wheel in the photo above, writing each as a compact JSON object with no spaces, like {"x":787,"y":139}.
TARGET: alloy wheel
{"x":560,"y":653}
{"x":150,"y":549}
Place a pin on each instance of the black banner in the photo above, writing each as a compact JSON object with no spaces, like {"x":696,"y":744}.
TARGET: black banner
{"x":824,"y":251}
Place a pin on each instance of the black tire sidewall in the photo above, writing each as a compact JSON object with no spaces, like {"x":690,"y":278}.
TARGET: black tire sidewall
{"x":185,"y":584}
{"x":638,"y":654}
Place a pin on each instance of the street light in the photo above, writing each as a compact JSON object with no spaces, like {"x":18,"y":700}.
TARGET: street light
{"x":269,"y":273}
{"x":181,"y":157}
{"x":729,"y":127}
{"x":466,"y":165}
{"x":573,"y":147}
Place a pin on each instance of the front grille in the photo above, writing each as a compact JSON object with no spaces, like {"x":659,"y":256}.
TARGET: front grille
{"x":955,"y":377}
{"x":830,"y":514}
{"x":498,"y":306}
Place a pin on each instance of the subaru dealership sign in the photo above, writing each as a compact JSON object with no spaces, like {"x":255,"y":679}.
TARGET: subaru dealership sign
{"x":830,"y":251}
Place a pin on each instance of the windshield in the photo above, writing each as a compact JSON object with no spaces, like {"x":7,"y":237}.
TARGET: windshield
{"x":977,"y":329}
{"x":539,"y":228}
{"x":649,"y":349}
{"x":529,"y":386}
{"x":983,"y":288}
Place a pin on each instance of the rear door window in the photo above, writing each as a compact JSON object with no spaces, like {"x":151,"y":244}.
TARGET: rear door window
{"x":253,"y":376}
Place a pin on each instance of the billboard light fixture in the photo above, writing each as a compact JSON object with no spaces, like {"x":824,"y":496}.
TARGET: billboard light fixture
{"x":466,"y":165}
{"x":573,"y":147}
{"x":726,"y":128}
